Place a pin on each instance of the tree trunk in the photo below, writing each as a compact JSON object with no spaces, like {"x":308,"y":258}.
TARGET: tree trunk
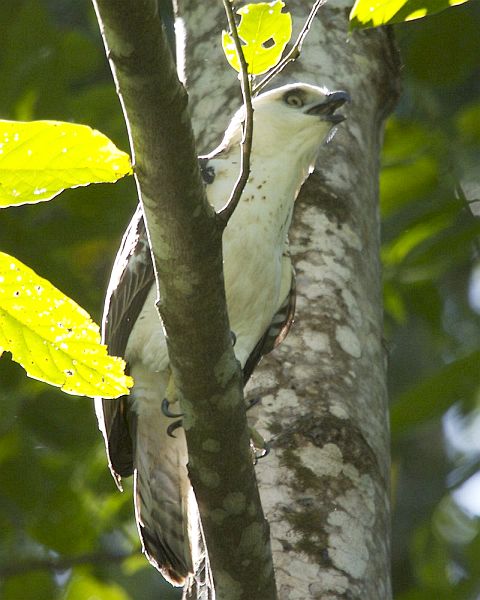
{"x":325,"y":485}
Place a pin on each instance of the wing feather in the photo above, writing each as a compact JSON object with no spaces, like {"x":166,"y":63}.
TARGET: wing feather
{"x":131,"y":280}
{"x":277,"y":331}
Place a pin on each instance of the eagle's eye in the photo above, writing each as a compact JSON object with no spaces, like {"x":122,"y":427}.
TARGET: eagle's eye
{"x":294,"y":99}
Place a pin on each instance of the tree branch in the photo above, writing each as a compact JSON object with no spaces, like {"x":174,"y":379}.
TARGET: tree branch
{"x":247,"y":126}
{"x":294,"y":52}
{"x":186,"y":243}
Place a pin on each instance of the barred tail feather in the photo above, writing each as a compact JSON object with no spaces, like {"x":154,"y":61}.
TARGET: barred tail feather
{"x":163,"y":498}
{"x":200,"y":585}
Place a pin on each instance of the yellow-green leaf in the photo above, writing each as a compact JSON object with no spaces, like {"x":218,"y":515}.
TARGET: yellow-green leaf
{"x":39,"y":159}
{"x":52,"y":337}
{"x":83,"y":586}
{"x":265,"y":31}
{"x":372,"y":13}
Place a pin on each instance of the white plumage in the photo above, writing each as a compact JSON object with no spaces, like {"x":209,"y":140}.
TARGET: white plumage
{"x":289,"y":125}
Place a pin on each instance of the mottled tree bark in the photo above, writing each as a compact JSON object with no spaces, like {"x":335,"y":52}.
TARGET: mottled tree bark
{"x":186,"y":240}
{"x":325,"y":485}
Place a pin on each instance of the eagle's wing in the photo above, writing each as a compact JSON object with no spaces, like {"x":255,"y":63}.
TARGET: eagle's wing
{"x":131,"y":280}
{"x":276,"y":332}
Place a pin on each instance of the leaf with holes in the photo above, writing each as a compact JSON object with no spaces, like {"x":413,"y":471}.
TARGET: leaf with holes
{"x":52,"y":337}
{"x":39,"y":159}
{"x":265,"y":31}
{"x":373,"y":13}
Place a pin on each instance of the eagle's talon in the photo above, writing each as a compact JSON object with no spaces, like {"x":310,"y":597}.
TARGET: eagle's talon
{"x":166,"y":410}
{"x":265,"y":451}
{"x":260,"y":448}
{"x":234,"y":338}
{"x":253,"y":402}
{"x":172,"y":427}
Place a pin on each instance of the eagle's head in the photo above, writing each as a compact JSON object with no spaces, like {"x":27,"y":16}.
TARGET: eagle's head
{"x":297,"y":117}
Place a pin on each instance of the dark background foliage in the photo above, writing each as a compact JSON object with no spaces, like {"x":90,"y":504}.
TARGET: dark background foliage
{"x":66,"y":533}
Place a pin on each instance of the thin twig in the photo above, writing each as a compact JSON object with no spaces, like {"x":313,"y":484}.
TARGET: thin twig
{"x":294,"y":52}
{"x":61,"y":563}
{"x":247,"y":128}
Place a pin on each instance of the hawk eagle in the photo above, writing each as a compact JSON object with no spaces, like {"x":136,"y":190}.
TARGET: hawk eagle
{"x":290,"y":123}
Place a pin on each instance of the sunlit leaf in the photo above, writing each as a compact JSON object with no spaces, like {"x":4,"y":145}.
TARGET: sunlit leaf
{"x":265,"y":31}
{"x":39,"y":159}
{"x":373,"y":13}
{"x":52,"y":337}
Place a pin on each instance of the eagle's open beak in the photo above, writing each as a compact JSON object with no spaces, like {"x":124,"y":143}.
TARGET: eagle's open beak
{"x":326,"y":109}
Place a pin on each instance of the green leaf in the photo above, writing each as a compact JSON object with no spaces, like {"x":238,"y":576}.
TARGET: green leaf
{"x":134,"y":563}
{"x":52,"y":337}
{"x":36,"y":585}
{"x":457,"y":381}
{"x":84,"y":587}
{"x":411,"y":155}
{"x":373,"y":13}
{"x":393,"y":302}
{"x":39,"y":159}
{"x":397,"y":251}
{"x":468,"y":123}
{"x":265,"y":31}
{"x":430,"y":559}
